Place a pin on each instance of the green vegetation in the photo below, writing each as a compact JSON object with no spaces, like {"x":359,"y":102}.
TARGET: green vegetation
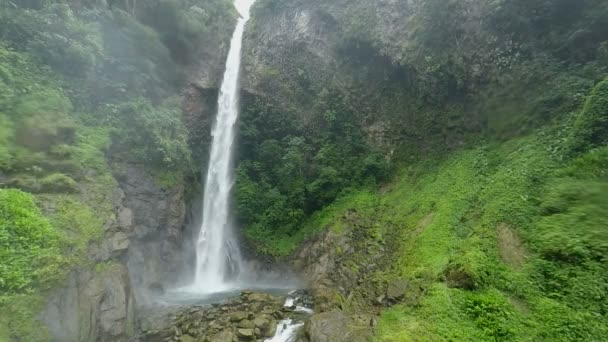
{"x":285,"y":175}
{"x":471,"y":144}
{"x":507,"y":241}
{"x":29,"y":243}
{"x":494,"y":125}
{"x":78,"y":81}
{"x":515,"y":250}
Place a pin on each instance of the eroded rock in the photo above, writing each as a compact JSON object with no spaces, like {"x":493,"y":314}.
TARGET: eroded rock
{"x":396,"y":290}
{"x":335,"y":326}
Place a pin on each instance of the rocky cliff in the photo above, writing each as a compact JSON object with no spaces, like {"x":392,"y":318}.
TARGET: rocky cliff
{"x":452,"y":95}
{"x":146,"y":241}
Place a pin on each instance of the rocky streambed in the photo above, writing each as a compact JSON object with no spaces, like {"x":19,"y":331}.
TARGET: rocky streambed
{"x":252,"y":316}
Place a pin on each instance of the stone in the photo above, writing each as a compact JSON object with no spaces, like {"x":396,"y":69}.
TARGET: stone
{"x":187,"y":338}
{"x":246,"y":333}
{"x":261,"y":322}
{"x":125,"y":218}
{"x":94,"y":304}
{"x":334,"y":326}
{"x":259,"y":297}
{"x":272,"y":329}
{"x":238,"y":316}
{"x":223,"y":336}
{"x":246,"y":324}
{"x":119,"y":242}
{"x":396,"y":289}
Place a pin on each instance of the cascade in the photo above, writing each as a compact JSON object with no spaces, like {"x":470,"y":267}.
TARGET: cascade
{"x":218,"y":259}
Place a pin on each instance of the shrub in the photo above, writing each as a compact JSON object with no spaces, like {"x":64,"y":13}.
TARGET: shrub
{"x":28,"y":243}
{"x":153,"y":135}
{"x":58,"y":182}
{"x":6,"y":136}
{"x":591,"y":126}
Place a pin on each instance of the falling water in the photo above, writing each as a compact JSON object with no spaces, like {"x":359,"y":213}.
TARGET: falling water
{"x":218,"y":259}
{"x":286,"y":331}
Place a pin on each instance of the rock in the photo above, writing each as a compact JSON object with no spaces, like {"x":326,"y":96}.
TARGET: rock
{"x":373,"y":322}
{"x":396,"y":290}
{"x":119,"y":242}
{"x":238,"y":316}
{"x":156,"y":289}
{"x":187,"y":338}
{"x":95,"y":304}
{"x":272,"y":329}
{"x":223,"y":336}
{"x":334,"y":326}
{"x":153,"y":219}
{"x":246,"y":333}
{"x":260,"y":297}
{"x":246,"y":324}
{"x":261,"y":322}
{"x":125,"y":218}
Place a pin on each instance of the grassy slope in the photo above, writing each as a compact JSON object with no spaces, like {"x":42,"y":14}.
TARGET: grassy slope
{"x":507,"y":240}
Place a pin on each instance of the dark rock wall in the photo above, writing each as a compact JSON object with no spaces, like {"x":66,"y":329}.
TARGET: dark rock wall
{"x":94,"y":305}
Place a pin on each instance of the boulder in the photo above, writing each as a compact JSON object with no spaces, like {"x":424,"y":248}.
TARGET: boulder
{"x":272,"y":329}
{"x":238,"y":316}
{"x":224,"y":336}
{"x":187,"y":338}
{"x":334,"y":326}
{"x":246,"y":334}
{"x":261,"y":322}
{"x":246,"y":324}
{"x":396,"y":290}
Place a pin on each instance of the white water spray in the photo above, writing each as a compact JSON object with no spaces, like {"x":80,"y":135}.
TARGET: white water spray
{"x":218,"y":260}
{"x":286,"y":331}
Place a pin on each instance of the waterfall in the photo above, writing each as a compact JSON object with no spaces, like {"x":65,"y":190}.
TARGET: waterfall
{"x":218,"y":259}
{"x":286,"y":331}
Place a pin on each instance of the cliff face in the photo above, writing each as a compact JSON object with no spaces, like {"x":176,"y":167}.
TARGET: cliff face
{"x":402,"y":65}
{"x":452,"y":96}
{"x":146,"y":240}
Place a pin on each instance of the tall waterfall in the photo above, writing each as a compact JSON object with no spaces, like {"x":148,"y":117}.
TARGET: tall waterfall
{"x":218,"y":259}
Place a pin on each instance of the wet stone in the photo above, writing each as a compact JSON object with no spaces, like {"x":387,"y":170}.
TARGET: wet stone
{"x":238,"y":316}
{"x":246,"y":333}
{"x":246,"y":324}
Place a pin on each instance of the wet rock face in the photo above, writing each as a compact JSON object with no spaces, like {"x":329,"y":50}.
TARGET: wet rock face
{"x":93,"y":306}
{"x":154,"y":220}
{"x":250,"y":317}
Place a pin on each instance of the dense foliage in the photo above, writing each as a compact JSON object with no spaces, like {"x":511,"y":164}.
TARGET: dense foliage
{"x":472,"y":134}
{"x":445,"y":76}
{"x":505,"y":241}
{"x":79,"y":83}
{"x":27,"y":238}
{"x":494,"y":211}
{"x":286,"y":174}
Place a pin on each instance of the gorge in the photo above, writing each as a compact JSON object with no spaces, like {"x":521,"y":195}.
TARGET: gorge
{"x":303,"y":170}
